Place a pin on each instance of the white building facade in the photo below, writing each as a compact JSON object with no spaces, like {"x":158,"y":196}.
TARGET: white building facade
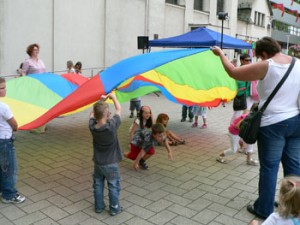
{"x":100,"y":33}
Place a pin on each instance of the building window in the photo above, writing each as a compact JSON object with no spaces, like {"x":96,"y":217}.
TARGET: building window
{"x":259,"y":19}
{"x":198,"y":5}
{"x":220,"y":6}
{"x":175,"y":2}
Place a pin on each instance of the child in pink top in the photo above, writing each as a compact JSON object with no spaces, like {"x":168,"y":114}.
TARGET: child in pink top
{"x":234,"y":141}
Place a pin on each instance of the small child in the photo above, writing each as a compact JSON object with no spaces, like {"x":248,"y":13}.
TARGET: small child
{"x":135,"y":104}
{"x":8,"y":159}
{"x":78,"y":67}
{"x":142,"y":145}
{"x":107,"y":153}
{"x":234,"y":142}
{"x":70,"y":67}
{"x":289,"y":204}
{"x":199,"y":111}
{"x":143,"y":121}
{"x":173,"y":139}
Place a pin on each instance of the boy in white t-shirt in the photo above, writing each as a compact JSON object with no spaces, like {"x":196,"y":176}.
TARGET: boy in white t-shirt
{"x":8,"y":159}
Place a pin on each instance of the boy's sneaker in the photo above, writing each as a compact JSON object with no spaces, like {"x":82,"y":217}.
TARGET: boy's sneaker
{"x":131,"y":115}
{"x":17,"y":199}
{"x":252,"y":162}
{"x":143,"y":164}
{"x":183,"y":120}
{"x":114,"y":211}
{"x":195,"y":124}
{"x":190,"y":120}
{"x":204,"y":126}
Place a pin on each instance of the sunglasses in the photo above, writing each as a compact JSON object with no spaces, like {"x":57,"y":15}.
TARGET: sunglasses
{"x":247,"y":60}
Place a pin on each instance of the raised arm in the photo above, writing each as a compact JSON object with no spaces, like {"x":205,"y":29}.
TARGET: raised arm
{"x":254,"y":71}
{"x":116,"y":102}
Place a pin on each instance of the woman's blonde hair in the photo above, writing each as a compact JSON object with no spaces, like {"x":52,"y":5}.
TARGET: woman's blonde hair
{"x":289,"y":197}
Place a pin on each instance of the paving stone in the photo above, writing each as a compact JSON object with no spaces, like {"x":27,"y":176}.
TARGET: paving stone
{"x":42,"y":195}
{"x":140,"y":201}
{"x":55,"y":213}
{"x":206,"y":216}
{"x":11,"y":212}
{"x":222,"y":209}
{"x":180,"y":220}
{"x":137,"y":190}
{"x":178,"y":199}
{"x":77,"y":206}
{"x":138,"y":221}
{"x":91,"y":221}
{"x":182,"y":211}
{"x":4,"y":221}
{"x":156,"y":185}
{"x":36,"y":206}
{"x":74,"y":219}
{"x":30,"y":218}
{"x":229,"y":220}
{"x":159,"y":205}
{"x":118,"y":219}
{"x":163,"y":217}
{"x":140,"y":212}
{"x":194,"y":194}
{"x":230,"y":193}
{"x":59,"y":201}
{"x":156,"y":195}
{"x":46,"y":221}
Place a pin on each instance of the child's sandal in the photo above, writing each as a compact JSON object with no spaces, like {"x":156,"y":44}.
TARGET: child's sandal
{"x":173,"y":143}
{"x":181,"y":141}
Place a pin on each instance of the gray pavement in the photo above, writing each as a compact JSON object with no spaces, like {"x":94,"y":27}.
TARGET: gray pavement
{"x":55,"y":174}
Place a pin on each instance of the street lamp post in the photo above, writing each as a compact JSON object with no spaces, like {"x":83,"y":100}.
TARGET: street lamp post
{"x":222,"y":16}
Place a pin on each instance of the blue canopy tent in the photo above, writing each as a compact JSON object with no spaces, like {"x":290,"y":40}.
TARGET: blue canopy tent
{"x":200,"y":38}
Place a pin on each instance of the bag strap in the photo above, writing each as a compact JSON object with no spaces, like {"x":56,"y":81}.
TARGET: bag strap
{"x":278,"y":85}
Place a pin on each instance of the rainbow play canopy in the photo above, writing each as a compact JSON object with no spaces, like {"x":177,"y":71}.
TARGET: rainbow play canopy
{"x":185,"y":76}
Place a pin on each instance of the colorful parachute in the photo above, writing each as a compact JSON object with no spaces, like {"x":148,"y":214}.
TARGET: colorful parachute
{"x":185,"y":76}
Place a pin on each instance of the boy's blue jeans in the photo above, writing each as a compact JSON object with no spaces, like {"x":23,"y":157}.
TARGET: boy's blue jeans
{"x":111,"y":174}
{"x":276,"y":142}
{"x":8,"y":169}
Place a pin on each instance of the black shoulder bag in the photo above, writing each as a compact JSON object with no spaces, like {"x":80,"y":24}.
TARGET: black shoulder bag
{"x":249,"y":127}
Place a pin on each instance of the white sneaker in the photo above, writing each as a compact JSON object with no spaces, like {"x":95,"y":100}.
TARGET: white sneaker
{"x":252,"y":162}
{"x":17,"y":199}
{"x":221,"y":159}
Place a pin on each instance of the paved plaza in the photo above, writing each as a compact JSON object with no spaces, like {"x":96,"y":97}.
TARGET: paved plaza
{"x":55,"y":175}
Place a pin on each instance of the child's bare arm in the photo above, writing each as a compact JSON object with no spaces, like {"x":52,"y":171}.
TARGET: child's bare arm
{"x":167,"y":146}
{"x":138,"y":158}
{"x":116,"y":103}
